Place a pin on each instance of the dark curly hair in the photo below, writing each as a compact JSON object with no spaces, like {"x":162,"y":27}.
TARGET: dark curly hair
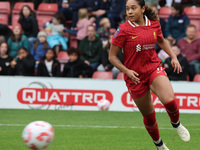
{"x":74,"y":50}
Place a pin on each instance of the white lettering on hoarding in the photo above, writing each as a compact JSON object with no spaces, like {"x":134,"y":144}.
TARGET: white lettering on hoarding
{"x":29,"y":95}
{"x":76,"y":94}
{"x":101,"y":95}
{"x":54,"y":97}
{"x":87,"y":97}
{"x":64,"y":95}
{"x":192,"y":100}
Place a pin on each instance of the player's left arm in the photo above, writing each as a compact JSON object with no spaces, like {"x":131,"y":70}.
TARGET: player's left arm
{"x":166,"y":47}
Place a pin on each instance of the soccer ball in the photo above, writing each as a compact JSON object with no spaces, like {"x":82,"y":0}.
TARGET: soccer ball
{"x":38,"y":135}
{"x":103,"y":104}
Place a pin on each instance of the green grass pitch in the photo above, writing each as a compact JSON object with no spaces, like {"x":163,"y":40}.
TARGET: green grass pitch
{"x":96,"y":130}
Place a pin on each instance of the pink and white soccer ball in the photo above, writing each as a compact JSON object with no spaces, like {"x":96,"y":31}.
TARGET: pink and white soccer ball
{"x":103,"y":104}
{"x":38,"y":135}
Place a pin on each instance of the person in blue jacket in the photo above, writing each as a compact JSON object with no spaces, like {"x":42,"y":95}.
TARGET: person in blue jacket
{"x":177,"y":23}
{"x":40,"y":48}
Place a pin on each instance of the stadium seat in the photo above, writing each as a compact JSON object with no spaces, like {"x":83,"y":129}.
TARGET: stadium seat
{"x":4,"y":12}
{"x":196,"y":22}
{"x":73,"y":41}
{"x":17,"y":9}
{"x":120,"y":76}
{"x":63,"y":57}
{"x":165,"y":12}
{"x":192,"y":12}
{"x":196,"y":78}
{"x":45,"y":12}
{"x":102,"y":75}
{"x":198,"y":34}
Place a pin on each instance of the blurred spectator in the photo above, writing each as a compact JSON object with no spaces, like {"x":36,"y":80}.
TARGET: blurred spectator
{"x":76,"y":67}
{"x":40,"y":47}
{"x":82,"y":24}
{"x":56,"y":34}
{"x":17,"y":40}
{"x":183,"y":62}
{"x":105,"y":63}
{"x":91,"y":48}
{"x":5,"y":59}
{"x":70,"y":9}
{"x":94,"y":5}
{"x":29,"y":24}
{"x":190,"y":48}
{"x":104,"y":30}
{"x":161,"y":20}
{"x":37,"y":2}
{"x":149,"y":2}
{"x":5,"y":31}
{"x":170,"y":2}
{"x":24,"y":64}
{"x":113,"y":12}
{"x":162,"y":54}
{"x":49,"y":66}
{"x":177,"y":23}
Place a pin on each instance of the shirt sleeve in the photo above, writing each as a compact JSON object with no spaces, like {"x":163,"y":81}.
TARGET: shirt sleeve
{"x":119,"y":38}
{"x":159,"y":31}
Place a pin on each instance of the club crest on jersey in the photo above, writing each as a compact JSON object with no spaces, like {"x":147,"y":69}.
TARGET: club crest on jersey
{"x":117,"y":32}
{"x":154,"y":33}
{"x":138,"y":48}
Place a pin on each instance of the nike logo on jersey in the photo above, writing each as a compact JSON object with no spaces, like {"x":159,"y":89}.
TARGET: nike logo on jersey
{"x":159,"y":71}
{"x":133,"y":37}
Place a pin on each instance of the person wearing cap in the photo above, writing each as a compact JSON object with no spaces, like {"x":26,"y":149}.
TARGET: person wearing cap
{"x":17,"y":40}
{"x":39,"y":49}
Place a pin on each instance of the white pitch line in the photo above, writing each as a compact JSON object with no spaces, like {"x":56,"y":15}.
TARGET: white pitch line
{"x":93,"y":126}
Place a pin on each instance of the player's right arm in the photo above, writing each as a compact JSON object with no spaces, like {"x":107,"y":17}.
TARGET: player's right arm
{"x":114,"y":50}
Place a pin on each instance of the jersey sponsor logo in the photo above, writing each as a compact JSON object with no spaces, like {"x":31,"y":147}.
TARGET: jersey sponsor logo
{"x":148,"y":46}
{"x":138,"y":48}
{"x":133,"y":37}
{"x":144,"y":47}
{"x":117,"y":32}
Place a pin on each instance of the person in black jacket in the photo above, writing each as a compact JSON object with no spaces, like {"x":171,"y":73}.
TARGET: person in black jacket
{"x":5,"y":59}
{"x":76,"y":67}
{"x":29,"y":24}
{"x":183,"y":62}
{"x":5,"y":31}
{"x":24,"y":65}
{"x":49,"y":66}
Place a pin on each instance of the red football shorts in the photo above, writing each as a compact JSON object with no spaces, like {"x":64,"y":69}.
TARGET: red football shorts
{"x":138,"y":90}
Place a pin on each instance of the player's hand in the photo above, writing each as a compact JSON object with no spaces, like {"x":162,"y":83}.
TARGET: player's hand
{"x":176,"y":65}
{"x":133,"y":76}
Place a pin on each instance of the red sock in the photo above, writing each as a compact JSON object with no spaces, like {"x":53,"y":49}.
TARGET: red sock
{"x":152,"y":126}
{"x":172,"y":110}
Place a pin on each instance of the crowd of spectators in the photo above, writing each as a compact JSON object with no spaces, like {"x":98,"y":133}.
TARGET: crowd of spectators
{"x":26,"y":51}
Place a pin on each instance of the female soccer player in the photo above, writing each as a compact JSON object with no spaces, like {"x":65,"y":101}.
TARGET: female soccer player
{"x":143,"y":69}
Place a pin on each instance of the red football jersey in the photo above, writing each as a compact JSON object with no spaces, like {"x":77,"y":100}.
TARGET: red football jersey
{"x":138,"y":44}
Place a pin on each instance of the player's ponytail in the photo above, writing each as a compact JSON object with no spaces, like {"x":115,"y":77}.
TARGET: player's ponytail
{"x":151,"y":15}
